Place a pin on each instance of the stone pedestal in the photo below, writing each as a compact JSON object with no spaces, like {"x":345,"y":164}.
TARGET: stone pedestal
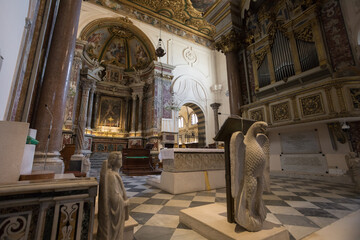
{"x":53,"y":162}
{"x":210,"y":221}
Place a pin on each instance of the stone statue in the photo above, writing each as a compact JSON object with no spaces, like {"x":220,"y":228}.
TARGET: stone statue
{"x":250,"y":174}
{"x":353,"y":164}
{"x":113,"y":202}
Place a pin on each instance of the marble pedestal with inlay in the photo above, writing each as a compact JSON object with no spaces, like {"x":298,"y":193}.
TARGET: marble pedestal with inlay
{"x":190,"y":170}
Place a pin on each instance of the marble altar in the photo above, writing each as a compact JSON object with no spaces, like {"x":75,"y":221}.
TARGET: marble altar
{"x":190,"y":170}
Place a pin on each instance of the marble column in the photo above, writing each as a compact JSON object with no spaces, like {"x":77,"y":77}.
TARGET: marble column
{"x":215,"y":108}
{"x":230,"y":44}
{"x":52,"y":101}
{"x":134,"y":96}
{"x":80,"y":133}
{"x":77,"y":160}
{"x":95,"y":123}
{"x":89,"y":112}
{"x":126,"y":115}
{"x":140,"y":113}
{"x":71,"y":100}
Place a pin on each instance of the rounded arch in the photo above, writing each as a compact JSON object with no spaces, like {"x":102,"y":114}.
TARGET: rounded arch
{"x":201,"y":123}
{"x":117,"y":41}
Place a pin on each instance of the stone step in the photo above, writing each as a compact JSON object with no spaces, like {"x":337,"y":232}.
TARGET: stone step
{"x":210,"y":221}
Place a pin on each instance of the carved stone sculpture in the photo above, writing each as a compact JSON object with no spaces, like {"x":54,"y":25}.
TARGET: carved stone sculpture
{"x":353,"y":164}
{"x":113,"y":202}
{"x":250,"y":174}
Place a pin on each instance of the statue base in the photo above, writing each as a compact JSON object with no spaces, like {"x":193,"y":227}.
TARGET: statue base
{"x":53,"y":162}
{"x":210,"y":221}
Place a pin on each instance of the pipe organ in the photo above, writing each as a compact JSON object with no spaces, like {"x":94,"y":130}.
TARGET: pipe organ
{"x":281,"y":55}
{"x":283,"y":46}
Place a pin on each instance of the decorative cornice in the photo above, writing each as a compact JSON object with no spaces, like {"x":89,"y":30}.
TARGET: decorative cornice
{"x":179,"y":13}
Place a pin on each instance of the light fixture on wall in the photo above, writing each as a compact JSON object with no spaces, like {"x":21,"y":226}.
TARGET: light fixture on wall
{"x":160,"y":48}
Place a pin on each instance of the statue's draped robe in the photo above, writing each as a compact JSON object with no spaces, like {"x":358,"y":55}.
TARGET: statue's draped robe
{"x":113,"y":204}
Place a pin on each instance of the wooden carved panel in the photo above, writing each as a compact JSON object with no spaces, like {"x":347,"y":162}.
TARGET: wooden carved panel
{"x":312,"y":105}
{"x":257,"y":115}
{"x":281,"y":112}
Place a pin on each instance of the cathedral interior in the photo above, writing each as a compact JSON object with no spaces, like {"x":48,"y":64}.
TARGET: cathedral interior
{"x":86,"y":78}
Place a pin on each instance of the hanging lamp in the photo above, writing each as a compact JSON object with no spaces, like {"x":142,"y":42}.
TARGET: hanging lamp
{"x":160,"y":47}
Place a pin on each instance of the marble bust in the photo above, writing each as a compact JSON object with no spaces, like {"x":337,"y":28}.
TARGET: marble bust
{"x":113,"y":202}
{"x":250,"y":174}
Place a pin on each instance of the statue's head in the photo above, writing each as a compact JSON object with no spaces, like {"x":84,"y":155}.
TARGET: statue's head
{"x":115,"y":160}
{"x":260,"y":127}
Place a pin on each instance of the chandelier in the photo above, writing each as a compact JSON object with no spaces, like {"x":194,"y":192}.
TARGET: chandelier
{"x":160,"y":48}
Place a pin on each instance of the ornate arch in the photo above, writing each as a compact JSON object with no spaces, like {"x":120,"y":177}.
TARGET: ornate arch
{"x":117,"y":41}
{"x":201,"y":123}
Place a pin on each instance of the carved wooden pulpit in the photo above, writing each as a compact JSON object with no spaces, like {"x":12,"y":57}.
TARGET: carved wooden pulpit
{"x":232,"y":124}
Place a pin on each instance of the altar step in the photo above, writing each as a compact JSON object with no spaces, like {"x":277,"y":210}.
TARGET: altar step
{"x":141,"y":172}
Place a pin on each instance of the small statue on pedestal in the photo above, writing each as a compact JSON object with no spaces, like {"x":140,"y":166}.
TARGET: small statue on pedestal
{"x":250,"y":174}
{"x":113,"y":202}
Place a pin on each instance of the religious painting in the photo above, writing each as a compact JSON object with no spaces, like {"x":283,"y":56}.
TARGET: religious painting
{"x":202,"y":5}
{"x":96,"y":41}
{"x":110,"y":110}
{"x":138,"y":54}
{"x":116,"y":53}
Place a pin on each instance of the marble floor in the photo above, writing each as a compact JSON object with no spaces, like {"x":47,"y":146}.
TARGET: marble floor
{"x":302,"y":206}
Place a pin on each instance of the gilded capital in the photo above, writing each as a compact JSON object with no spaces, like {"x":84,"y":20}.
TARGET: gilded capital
{"x":229,"y":42}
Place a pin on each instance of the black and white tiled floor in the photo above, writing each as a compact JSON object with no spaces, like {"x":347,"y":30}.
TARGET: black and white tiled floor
{"x":302,"y":206}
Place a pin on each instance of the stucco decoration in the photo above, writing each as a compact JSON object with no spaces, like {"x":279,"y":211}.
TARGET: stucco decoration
{"x":189,"y":56}
{"x":189,"y":90}
{"x":179,"y":12}
{"x":250,"y":174}
{"x":113,"y":202}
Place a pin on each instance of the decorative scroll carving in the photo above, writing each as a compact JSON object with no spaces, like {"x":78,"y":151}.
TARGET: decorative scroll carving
{"x":281,"y":112}
{"x":15,"y":227}
{"x":177,"y":10}
{"x":68,"y":219}
{"x":257,"y":115}
{"x":120,"y":32}
{"x":312,"y":105}
{"x":189,"y":55}
{"x":229,"y":42}
{"x":305,"y":34}
{"x":259,"y":56}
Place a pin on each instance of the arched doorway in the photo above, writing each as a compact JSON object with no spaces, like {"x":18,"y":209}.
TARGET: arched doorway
{"x":191,"y":126}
